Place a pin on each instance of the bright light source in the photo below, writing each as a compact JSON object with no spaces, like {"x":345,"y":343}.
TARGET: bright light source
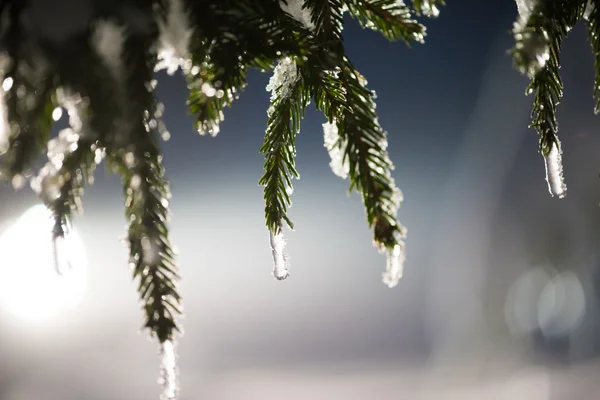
{"x":30,"y":286}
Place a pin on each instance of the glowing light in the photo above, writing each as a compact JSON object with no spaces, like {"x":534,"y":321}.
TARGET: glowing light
{"x":31,"y":288}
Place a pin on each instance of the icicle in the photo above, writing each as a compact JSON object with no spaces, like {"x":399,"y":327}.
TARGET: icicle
{"x":168,"y":371}
{"x":554,"y":171}
{"x":174,"y":40}
{"x":280,"y":258}
{"x":339,"y":163}
{"x":4,"y":125}
{"x":394,"y":265}
{"x":60,"y":251}
{"x":300,"y":14}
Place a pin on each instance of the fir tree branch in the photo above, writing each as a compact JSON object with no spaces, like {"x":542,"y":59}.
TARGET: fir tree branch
{"x":327,"y":15}
{"x":28,"y":90}
{"x":288,"y":102}
{"x":537,"y":53}
{"x":593,"y":25}
{"x":389,"y":17}
{"x":147,"y":195}
{"x":260,"y":35}
{"x":30,"y":121}
{"x":369,"y":164}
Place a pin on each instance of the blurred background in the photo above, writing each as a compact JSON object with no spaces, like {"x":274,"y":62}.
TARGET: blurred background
{"x":501,"y":294}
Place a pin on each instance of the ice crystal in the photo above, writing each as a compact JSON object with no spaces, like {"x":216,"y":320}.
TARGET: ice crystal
{"x":336,"y":146}
{"x":283,"y":79}
{"x":168,"y":371}
{"x":280,"y":258}
{"x":297,"y":9}
{"x":554,"y":171}
{"x":394,"y":265}
{"x":174,"y":40}
{"x":4,"y":125}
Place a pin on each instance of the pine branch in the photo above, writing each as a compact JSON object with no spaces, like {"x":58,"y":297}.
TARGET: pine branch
{"x":593,"y":25}
{"x":539,"y":37}
{"x":369,"y":164}
{"x":390,"y":17}
{"x":288,"y":102}
{"x":244,"y":35}
{"x":29,"y":108}
{"x":28,"y":90}
{"x":147,"y":195}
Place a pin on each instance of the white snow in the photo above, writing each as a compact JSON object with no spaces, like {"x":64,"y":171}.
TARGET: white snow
{"x":283,"y":79}
{"x":429,"y":9}
{"x":525,"y":7}
{"x":394,"y":265}
{"x":168,"y":371}
{"x":280,"y":259}
{"x":108,"y":39}
{"x":589,"y":9}
{"x":336,"y":147}
{"x":174,"y":40}
{"x":150,"y":249}
{"x":554,"y":171}
{"x":300,"y":14}
{"x":536,"y":45}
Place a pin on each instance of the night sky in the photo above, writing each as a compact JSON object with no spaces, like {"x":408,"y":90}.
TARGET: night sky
{"x":477,"y":210}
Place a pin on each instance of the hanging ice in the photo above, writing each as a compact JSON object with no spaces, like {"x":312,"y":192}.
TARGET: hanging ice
{"x":336,"y":147}
{"x":394,"y":265}
{"x":4,"y":125}
{"x":168,"y":371}
{"x":174,"y":40}
{"x":60,"y":251}
{"x":300,"y":14}
{"x":280,"y":259}
{"x":554,"y":171}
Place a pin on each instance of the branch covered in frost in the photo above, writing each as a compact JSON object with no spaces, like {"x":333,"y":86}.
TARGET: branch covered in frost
{"x":356,"y":142}
{"x":539,"y":32}
{"x":228,"y":45}
{"x":288,"y":101}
